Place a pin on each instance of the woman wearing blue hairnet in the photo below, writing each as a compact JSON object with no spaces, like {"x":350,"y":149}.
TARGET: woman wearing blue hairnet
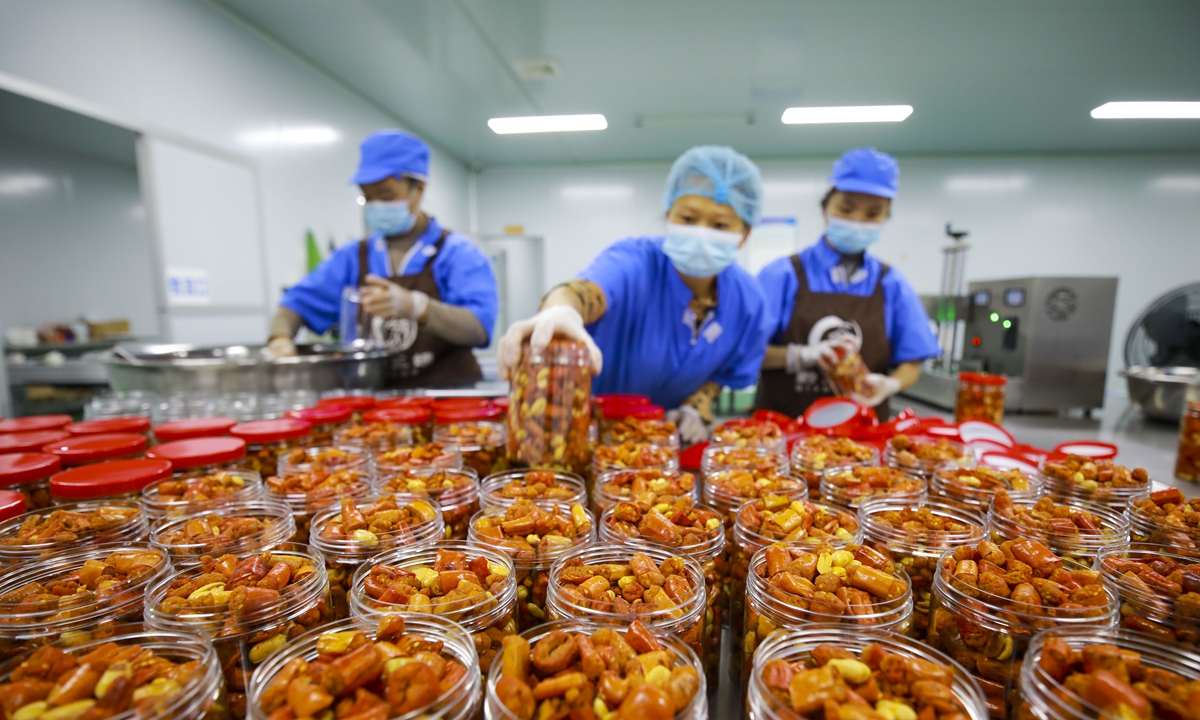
{"x":836,"y":293}
{"x":669,"y":316}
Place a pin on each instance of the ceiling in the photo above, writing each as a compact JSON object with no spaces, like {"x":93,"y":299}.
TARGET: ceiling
{"x":1018,"y":76}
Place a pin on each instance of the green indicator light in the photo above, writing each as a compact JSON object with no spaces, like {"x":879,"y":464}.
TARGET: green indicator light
{"x":1007,"y":324}
{"x":995,"y":317}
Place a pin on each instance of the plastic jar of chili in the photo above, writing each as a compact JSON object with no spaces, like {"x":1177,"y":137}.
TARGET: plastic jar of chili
{"x":58,"y":596}
{"x":193,"y":428}
{"x":242,"y":528}
{"x":750,"y":433}
{"x":914,"y":533}
{"x":488,"y":613}
{"x":131,"y":424}
{"x":1164,"y":518}
{"x":1075,"y":529}
{"x":38,"y":533}
{"x":980,"y":397}
{"x":718,"y":458}
{"x":728,"y":490}
{"x":477,"y":434}
{"x":455,"y":492}
{"x":919,"y":456}
{"x":634,"y":456}
{"x":358,"y":404}
{"x":349,"y":535}
{"x":647,"y":488}
{"x":267,"y":440}
{"x":512,"y":531}
{"x":695,"y":531}
{"x":1187,"y":460}
{"x":972,"y":488}
{"x":30,"y":442}
{"x":813,"y":455}
{"x":250,"y":626}
{"x":641,"y":424}
{"x":1159,"y":590}
{"x":312,"y":479}
{"x":325,"y":421}
{"x":677,"y":655}
{"x":416,"y":457}
{"x":543,"y":487}
{"x":34,"y":423}
{"x":176,"y":497}
{"x":201,"y":456}
{"x":848,"y":486}
{"x":90,"y":449}
{"x":1101,"y":481}
{"x":455,"y":696}
{"x":416,"y":419}
{"x":599,"y":402}
{"x":110,"y":480}
{"x":795,"y":647}
{"x":29,"y":474}
{"x":550,"y":407}
{"x":373,"y":437}
{"x":12,"y":504}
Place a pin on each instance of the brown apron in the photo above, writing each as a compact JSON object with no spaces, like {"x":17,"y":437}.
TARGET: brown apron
{"x":421,"y":359}
{"x":792,"y":394}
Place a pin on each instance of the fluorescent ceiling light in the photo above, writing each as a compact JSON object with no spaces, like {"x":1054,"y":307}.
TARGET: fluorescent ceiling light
{"x":1177,"y":183}
{"x":1154,"y":110}
{"x":290,"y":136}
{"x":597,"y":192}
{"x":846,"y":114}
{"x":547,"y":123}
{"x":986,"y":183}
{"x":21,"y":183}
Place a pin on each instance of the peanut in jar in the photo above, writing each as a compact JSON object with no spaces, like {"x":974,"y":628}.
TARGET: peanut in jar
{"x":550,"y":407}
{"x":312,"y":479}
{"x":240,"y":528}
{"x":647,"y":487}
{"x":1165,"y":518}
{"x":455,"y":492}
{"x":49,"y":530}
{"x":1159,"y":591}
{"x":1075,"y":529}
{"x":481,"y":444}
{"x":1100,"y":481}
{"x":267,"y":441}
{"x":849,"y":486}
{"x":542,"y":487}
{"x":980,"y":397}
{"x":813,"y":455}
{"x":972,"y":488}
{"x":1187,"y":460}
{"x":919,"y":456}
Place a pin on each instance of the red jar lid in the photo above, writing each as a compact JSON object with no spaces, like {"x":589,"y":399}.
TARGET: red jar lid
{"x":467,"y":414}
{"x":194,"y":428}
{"x":322,"y":414}
{"x":12,"y":504}
{"x":404,"y":401}
{"x":637,"y":412}
{"x":25,"y":442}
{"x":84,"y":449}
{"x":1093,"y":449}
{"x":501,"y":402}
{"x":135,"y":424}
{"x":118,"y":477}
{"x":356,"y":403}
{"x":34,"y":422}
{"x":982,"y":378}
{"x":265,"y":431}
{"x":402,"y":415}
{"x":620,"y":399}
{"x":20,"y":468}
{"x":198,"y":452}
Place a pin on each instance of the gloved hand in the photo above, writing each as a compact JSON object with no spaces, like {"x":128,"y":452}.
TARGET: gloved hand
{"x":281,"y":347}
{"x":692,"y":428}
{"x":802,"y":356}
{"x":541,"y":329}
{"x":880,"y":387}
{"x":386,"y":299}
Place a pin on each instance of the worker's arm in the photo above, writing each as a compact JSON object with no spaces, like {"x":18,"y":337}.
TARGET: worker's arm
{"x":284,"y":327}
{"x":454,"y":324}
{"x":775,"y":358}
{"x":907,"y":373}
{"x":564,"y":311}
{"x":584,"y":296}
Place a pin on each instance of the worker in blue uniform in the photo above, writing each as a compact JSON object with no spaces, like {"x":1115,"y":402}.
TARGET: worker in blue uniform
{"x":430,"y":291}
{"x":669,"y":316}
{"x":836,"y":293}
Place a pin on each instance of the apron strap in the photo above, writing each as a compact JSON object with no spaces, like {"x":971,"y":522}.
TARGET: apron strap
{"x":801,"y":276}
{"x":364,"y":247}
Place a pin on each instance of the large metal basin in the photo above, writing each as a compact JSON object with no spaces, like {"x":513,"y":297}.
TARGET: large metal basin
{"x":1161,"y":393}
{"x":189,"y":370}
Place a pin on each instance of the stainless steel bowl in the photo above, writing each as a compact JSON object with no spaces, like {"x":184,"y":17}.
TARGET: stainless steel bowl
{"x":1162,"y":392}
{"x":187,"y":369}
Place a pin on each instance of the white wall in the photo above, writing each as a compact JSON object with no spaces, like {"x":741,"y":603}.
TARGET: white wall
{"x":186,"y":69}
{"x":1136,"y":217}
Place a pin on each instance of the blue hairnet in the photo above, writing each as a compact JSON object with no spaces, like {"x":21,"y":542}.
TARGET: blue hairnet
{"x":720,"y":173}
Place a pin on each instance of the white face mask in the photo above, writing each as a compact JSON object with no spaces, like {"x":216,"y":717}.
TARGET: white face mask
{"x":699,"y":251}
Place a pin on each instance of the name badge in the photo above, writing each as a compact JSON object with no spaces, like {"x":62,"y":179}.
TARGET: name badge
{"x":712,"y":332}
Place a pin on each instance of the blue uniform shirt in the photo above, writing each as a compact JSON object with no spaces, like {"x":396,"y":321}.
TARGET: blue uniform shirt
{"x":907,"y":324}
{"x":648,"y":334}
{"x":462,"y":273}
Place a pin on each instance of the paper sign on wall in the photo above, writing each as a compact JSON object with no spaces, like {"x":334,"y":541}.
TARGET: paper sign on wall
{"x":187,"y":287}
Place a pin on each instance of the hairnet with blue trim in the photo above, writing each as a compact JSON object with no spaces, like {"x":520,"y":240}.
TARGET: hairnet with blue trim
{"x":720,"y":173}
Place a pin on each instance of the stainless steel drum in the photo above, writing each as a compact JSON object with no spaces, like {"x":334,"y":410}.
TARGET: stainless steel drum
{"x":1161,"y":392}
{"x":189,"y":370}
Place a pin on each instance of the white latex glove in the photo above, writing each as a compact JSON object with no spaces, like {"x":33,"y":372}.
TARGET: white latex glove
{"x":383,"y":298}
{"x":281,"y":347}
{"x":541,"y":329}
{"x":802,"y":356}
{"x":880,"y":387}
{"x":692,"y":428}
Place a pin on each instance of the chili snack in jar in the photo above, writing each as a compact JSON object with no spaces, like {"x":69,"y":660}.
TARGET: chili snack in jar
{"x":919,"y":456}
{"x":312,"y":479}
{"x":805,"y":672}
{"x":750,"y":433}
{"x":240,"y":528}
{"x":92,"y":522}
{"x":417,"y":457}
{"x":542,"y":487}
{"x":349,"y":535}
{"x":1074,"y":529}
{"x":132,"y":672}
{"x":326,"y":420}
{"x":647,"y":487}
{"x":549,"y":411}
{"x":990,"y":600}
{"x":407,"y":665}
{"x":29,"y":473}
{"x":846,"y":372}
{"x":374,"y":437}
{"x":176,"y":497}
{"x":727,"y":490}
{"x":980,"y":397}
{"x":477,"y":434}
{"x":849,"y":486}
{"x":716,"y":458}
{"x":1187,"y":459}
{"x":972,"y":488}
{"x":614,"y":672}
{"x":268,"y":440}
{"x":634,"y":456}
{"x":1160,"y":592}
{"x":813,"y":455}
{"x":251,"y":605}
{"x":455,"y":492}
{"x":1165,"y":517}
{"x":639,"y":425}
{"x":79,"y":593}
{"x":472,"y":585}
{"x":1101,"y":481}
{"x":534,"y":537}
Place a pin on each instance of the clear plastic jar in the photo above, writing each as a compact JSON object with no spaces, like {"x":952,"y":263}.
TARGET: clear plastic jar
{"x":417,"y":418}
{"x":848,"y":486}
{"x":30,"y":442}
{"x":134,"y":424}
{"x":54,"y":529}
{"x":357,"y":403}
{"x":418,"y":525}
{"x":813,"y":455}
{"x":678,"y":652}
{"x":1162,"y":607}
{"x":82,"y":611}
{"x":78,"y":450}
{"x":796,"y":646}
{"x":550,"y":404}
{"x":1187,"y":460}
{"x":544,"y":487}
{"x":201,"y":697}
{"x":29,"y":474}
{"x":917,"y":548}
{"x":245,"y":634}
{"x":175,"y":497}
{"x":980,"y":397}
{"x":112,"y":480}
{"x":193,"y":428}
{"x":919,"y":456}
{"x":416,"y":457}
{"x":1164,"y":518}
{"x":374,"y":437}
{"x":972,"y":488}
{"x":532,"y":556}
{"x":989,"y":634}
{"x":478,"y":435}
{"x":200,"y":456}
{"x":34,"y":423}
{"x":312,"y":479}
{"x":1074,"y":540}
{"x":750,"y":433}
{"x":1100,"y":481}
{"x":241,"y":528}
{"x":488,"y":616}
{"x":716,"y":458}
{"x":728,"y":490}
{"x":645,"y":487}
{"x":326,"y":420}
{"x":643,"y":424}
{"x":634,"y":456}
{"x":455,"y":492}
{"x":460,"y":700}
{"x":846,"y":372}
{"x":268,"y":440}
